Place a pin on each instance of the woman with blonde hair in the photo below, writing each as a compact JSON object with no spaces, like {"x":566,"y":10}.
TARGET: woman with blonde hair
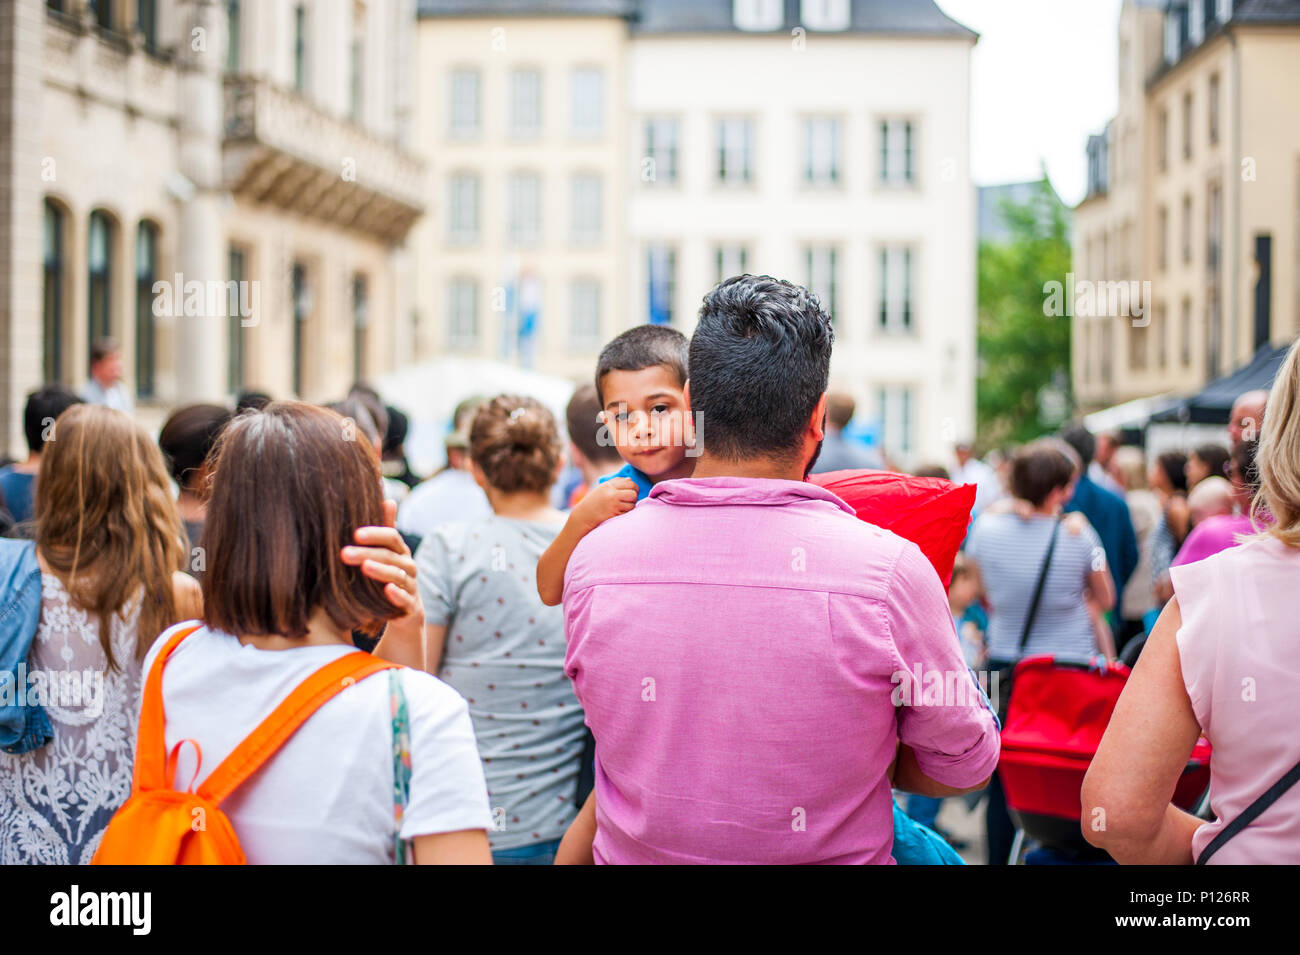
{"x":1221,"y":661}
{"x":110,"y":553}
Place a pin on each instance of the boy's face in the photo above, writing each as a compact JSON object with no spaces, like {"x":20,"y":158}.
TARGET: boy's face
{"x":647,"y":419}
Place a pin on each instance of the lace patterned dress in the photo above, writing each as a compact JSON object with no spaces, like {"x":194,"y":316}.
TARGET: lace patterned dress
{"x":56,"y":801}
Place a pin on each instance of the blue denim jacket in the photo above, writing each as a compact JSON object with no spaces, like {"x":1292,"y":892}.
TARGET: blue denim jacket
{"x":22,"y":728}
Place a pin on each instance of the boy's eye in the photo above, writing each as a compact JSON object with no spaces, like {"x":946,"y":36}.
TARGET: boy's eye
{"x":659,"y":409}
{"x":620,"y":416}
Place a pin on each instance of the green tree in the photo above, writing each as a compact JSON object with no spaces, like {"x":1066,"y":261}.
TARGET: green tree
{"x":1023,"y":354}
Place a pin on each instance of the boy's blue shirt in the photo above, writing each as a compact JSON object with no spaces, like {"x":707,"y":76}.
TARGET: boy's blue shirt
{"x":643,"y":483}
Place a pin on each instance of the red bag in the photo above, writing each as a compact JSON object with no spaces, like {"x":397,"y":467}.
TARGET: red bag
{"x":932,"y":513}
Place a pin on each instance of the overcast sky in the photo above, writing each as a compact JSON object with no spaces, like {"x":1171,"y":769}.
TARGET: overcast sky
{"x":1043,"y":78}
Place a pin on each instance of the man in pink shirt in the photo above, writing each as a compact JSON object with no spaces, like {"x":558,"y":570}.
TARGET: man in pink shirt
{"x":739,"y":639}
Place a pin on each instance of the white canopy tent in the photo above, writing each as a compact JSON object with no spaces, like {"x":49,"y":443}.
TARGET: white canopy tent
{"x":429,"y":392}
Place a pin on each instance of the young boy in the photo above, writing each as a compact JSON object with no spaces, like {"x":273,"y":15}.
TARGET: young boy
{"x":639,"y":380}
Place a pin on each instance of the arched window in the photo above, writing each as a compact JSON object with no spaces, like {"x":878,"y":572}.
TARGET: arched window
{"x":53,"y":298}
{"x":146,"y":271}
{"x":302,"y":302}
{"x":99,"y":265}
{"x":360,"y":327}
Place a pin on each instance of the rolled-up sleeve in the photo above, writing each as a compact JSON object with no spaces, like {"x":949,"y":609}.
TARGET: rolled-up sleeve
{"x":942,"y":716}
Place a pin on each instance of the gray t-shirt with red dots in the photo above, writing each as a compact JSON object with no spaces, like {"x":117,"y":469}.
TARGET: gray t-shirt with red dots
{"x":505,"y":655}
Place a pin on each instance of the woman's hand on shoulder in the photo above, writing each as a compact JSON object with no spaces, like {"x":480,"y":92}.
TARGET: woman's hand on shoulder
{"x":382,"y":555}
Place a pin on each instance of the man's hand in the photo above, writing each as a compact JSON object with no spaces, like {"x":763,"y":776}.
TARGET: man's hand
{"x":614,"y":497}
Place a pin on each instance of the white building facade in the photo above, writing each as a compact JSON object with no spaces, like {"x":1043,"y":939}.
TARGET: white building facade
{"x":827,"y":143}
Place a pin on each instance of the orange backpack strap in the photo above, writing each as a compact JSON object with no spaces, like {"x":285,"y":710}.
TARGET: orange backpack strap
{"x":150,"y":747}
{"x":260,"y":745}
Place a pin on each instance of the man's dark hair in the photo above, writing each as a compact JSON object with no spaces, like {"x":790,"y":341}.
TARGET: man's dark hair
{"x":760,"y":361}
{"x":643,"y":347}
{"x":1039,"y":468}
{"x":101,"y":349}
{"x":44,"y":405}
{"x":1244,"y":466}
{"x":580,"y":418}
{"x":1081,"y":439}
{"x":187,"y":438}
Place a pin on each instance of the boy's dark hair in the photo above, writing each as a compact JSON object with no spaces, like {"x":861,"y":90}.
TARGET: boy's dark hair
{"x":643,"y":347}
{"x":1040,"y":467}
{"x":1083,"y":442}
{"x":760,"y":361}
{"x":44,"y":404}
{"x":580,"y":417}
{"x":188,"y":436}
{"x":287,"y":496}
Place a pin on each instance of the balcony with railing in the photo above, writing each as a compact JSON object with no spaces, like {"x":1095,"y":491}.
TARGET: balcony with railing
{"x":282,"y":149}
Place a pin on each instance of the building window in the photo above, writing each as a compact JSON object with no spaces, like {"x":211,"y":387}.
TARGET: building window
{"x":237,"y":272}
{"x":1196,"y":21}
{"x":146,"y":21}
{"x":661,"y":273}
{"x":104,"y":13}
{"x":1107,"y":352}
{"x":52,"y":305}
{"x":826,"y":15}
{"x":1214,"y":109}
{"x":821,"y":271}
{"x":1223,"y":10}
{"x":99,"y":262}
{"x":731,"y":260}
{"x":1186,"y":333}
{"x":462,"y":209}
{"x":146,"y":269}
{"x":233,"y":58}
{"x":660,"y":151}
{"x":1162,"y":238}
{"x":585,"y":208}
{"x":758,"y":14}
{"x":462,"y":314}
{"x":525,"y":208}
{"x":525,"y":104}
{"x":1161,"y":324}
{"x":735,"y":151}
{"x":1173,"y":34}
{"x":1187,"y":125}
{"x":360,"y":328}
{"x":1162,"y":147}
{"x":584,"y":295}
{"x":894,"y":411}
{"x":300,"y":48}
{"x":821,"y":151}
{"x":357,"y":66}
{"x":588,"y":116}
{"x":302,"y":305}
{"x":464,"y":111}
{"x":896,"y":152}
{"x":895,"y":314}
{"x":1187,"y":229}
{"x":1137,"y":347}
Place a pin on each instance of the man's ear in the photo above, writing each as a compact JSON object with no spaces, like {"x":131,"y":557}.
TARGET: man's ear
{"x":818,"y":421}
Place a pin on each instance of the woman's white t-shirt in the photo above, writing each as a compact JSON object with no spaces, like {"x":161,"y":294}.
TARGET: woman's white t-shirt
{"x":326,"y":797}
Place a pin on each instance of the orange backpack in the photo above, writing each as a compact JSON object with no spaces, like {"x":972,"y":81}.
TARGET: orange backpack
{"x":159,"y":825}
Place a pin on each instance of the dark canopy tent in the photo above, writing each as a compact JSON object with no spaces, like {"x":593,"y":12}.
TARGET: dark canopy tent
{"x":1214,"y":402}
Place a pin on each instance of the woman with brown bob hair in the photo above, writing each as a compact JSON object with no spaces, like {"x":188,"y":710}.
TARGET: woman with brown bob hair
{"x":301,"y":553}
{"x":109,"y":548}
{"x":491,"y":637}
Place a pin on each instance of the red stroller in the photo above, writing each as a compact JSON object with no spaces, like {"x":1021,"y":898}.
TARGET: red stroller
{"x":1054,"y":725}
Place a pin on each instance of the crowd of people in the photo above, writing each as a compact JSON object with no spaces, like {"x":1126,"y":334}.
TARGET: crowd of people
{"x":642,"y":637}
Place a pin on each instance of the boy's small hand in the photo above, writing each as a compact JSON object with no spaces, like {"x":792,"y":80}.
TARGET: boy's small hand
{"x":614,"y":497}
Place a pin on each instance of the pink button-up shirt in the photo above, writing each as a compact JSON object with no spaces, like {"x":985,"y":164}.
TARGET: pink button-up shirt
{"x":738,"y":646}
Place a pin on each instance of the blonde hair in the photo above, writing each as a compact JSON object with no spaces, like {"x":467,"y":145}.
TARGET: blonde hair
{"x":1278,"y":457}
{"x":1131,"y":463}
{"x":106,"y":523}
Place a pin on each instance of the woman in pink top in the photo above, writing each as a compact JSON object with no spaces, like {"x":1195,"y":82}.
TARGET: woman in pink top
{"x":1223,"y":660}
